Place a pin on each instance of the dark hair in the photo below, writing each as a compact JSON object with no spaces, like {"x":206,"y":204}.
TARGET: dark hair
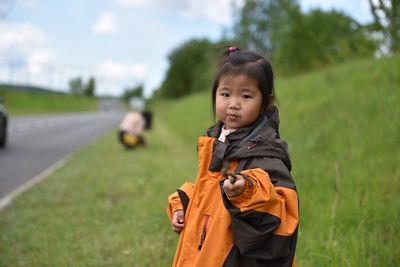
{"x":148,"y":119}
{"x":242,"y":62}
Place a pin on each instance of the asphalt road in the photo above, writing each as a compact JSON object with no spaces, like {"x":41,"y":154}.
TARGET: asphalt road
{"x":37,"y":142}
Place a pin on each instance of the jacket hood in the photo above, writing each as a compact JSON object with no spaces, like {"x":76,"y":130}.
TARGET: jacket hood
{"x":261,"y":139}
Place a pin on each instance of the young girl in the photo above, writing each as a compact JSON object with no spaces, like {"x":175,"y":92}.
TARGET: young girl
{"x":242,"y":209}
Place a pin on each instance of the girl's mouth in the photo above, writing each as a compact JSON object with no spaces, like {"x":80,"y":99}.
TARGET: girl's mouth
{"x":232,"y":116}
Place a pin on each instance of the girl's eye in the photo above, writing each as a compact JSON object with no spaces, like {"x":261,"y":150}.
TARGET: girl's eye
{"x":224,"y":94}
{"x":247,"y":96}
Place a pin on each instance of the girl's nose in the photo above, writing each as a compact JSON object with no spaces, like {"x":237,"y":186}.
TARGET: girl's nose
{"x":234,"y":104}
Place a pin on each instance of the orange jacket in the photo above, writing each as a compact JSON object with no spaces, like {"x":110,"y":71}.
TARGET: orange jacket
{"x":256,"y":228}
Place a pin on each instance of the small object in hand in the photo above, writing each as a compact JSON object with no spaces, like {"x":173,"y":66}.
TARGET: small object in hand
{"x":228,"y":175}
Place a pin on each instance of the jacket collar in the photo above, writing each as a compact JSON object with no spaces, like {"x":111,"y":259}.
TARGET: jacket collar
{"x":261,"y":139}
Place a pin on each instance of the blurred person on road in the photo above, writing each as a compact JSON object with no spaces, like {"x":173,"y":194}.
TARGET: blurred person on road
{"x":132,"y":127}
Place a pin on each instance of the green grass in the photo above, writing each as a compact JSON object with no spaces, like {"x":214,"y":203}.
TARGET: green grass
{"x":342,"y":125}
{"x":25,"y":103}
{"x":106,"y":207}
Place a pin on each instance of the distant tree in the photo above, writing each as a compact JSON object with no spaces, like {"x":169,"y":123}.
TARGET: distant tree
{"x":297,"y":42}
{"x":136,"y":91}
{"x":320,"y":38}
{"x":262,"y":26}
{"x":76,"y":86}
{"x":189,"y":69}
{"x":387,"y":20}
{"x":90,"y":87}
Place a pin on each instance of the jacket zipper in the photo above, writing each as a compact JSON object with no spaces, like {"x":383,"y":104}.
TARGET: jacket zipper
{"x":204,"y":232}
{"x":255,"y":142}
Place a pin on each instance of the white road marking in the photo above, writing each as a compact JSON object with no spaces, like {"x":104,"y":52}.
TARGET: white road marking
{"x":7,"y":199}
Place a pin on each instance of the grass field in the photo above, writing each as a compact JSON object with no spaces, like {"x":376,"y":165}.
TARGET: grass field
{"x":19,"y":102}
{"x":106,"y":207}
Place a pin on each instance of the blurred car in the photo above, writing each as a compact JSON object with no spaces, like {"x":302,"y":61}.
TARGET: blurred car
{"x":3,"y":124}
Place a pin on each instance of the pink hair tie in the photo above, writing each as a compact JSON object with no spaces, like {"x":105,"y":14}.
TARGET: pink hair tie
{"x":232,"y":49}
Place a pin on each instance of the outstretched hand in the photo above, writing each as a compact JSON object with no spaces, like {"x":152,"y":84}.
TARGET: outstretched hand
{"x":236,"y":188}
{"x":178,"y":221}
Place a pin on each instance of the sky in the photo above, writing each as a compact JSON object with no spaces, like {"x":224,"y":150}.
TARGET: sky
{"x":121,"y":43}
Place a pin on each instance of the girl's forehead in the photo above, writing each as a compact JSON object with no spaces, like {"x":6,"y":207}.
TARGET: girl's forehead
{"x":240,"y":79}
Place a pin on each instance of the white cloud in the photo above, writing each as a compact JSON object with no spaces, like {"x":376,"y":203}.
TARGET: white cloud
{"x":121,"y":71}
{"x":24,"y":53}
{"x":29,"y":3}
{"x":23,"y":45}
{"x":135,"y":3}
{"x":20,"y":36}
{"x":114,"y":77}
{"x":173,"y":4}
{"x":110,"y":88}
{"x":217,"y":11}
{"x":39,"y":60}
{"x":107,"y":23}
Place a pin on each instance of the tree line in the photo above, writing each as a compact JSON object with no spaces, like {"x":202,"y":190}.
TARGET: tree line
{"x":78,"y":87}
{"x":294,"y":41}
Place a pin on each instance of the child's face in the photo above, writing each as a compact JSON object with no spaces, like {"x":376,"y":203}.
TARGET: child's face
{"x":238,"y":101}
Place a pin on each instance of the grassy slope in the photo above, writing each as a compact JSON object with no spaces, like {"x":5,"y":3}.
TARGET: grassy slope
{"x":25,"y":102}
{"x":343,"y":129}
{"x":106,"y":207}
